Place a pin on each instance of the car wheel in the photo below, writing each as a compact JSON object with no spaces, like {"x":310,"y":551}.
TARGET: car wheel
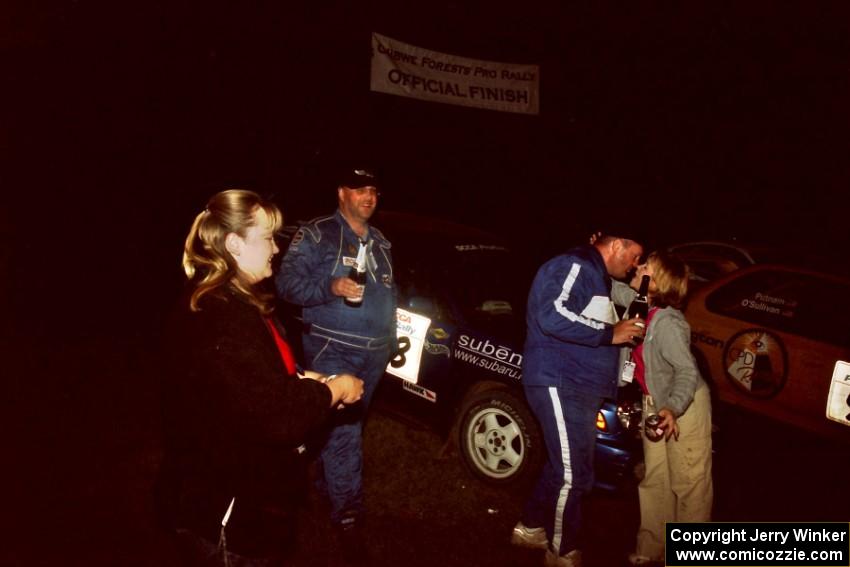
{"x":499,"y":438}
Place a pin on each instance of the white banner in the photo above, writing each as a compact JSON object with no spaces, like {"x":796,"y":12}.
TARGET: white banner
{"x":406,"y":70}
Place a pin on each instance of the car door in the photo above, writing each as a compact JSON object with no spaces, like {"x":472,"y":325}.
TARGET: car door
{"x":769,"y":337}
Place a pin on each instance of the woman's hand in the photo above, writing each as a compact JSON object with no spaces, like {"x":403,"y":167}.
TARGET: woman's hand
{"x":668,"y":424}
{"x":345,"y":389}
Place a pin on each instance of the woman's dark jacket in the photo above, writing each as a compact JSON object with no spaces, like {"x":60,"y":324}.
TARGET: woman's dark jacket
{"x":234,"y":419}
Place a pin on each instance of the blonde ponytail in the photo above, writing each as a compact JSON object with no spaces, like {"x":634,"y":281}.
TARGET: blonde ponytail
{"x":207,"y":263}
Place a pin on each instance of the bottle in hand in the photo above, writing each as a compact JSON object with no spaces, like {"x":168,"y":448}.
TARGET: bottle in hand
{"x":358,"y":274}
{"x":640,"y":305}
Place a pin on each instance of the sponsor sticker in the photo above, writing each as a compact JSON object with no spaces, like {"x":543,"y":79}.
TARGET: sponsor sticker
{"x":432,"y":348}
{"x":770,"y":304}
{"x":439,"y":334}
{"x":489,"y":355}
{"x":429,"y":395}
{"x":756,"y":362}
{"x":697,"y":337}
{"x":349,"y":261}
{"x":473,"y":247}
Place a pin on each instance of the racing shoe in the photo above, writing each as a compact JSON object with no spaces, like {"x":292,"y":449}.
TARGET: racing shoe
{"x":534,"y":538}
{"x":571,"y":559}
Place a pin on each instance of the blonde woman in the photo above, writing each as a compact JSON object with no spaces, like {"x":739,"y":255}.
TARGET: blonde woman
{"x":236,"y":411}
{"x":677,"y":486}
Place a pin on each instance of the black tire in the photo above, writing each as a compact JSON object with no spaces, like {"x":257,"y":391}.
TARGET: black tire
{"x":499,"y":438}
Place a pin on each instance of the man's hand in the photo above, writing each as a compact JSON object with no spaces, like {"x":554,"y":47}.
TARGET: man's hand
{"x":346,"y":287}
{"x":625,"y":331}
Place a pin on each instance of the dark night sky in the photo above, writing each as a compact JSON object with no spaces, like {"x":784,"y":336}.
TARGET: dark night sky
{"x":704,"y":120}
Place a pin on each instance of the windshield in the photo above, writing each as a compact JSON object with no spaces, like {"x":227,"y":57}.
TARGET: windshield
{"x":491,"y":282}
{"x":475,"y":279}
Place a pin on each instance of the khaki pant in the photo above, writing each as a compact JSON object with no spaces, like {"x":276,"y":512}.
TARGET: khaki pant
{"x":677,"y":486}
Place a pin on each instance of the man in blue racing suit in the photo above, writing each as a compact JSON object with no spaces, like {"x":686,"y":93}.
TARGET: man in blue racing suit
{"x":569,"y":366}
{"x":348,"y":328}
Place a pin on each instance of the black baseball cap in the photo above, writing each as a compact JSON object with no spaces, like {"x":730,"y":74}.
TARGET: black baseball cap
{"x":356,"y":177}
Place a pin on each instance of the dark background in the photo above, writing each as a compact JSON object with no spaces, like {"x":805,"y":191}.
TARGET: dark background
{"x":120,"y":118}
{"x":703,"y":120}
{"x":714,"y":119}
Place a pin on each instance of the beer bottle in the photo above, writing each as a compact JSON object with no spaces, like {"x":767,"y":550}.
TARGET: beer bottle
{"x":358,"y":274}
{"x":640,"y":305}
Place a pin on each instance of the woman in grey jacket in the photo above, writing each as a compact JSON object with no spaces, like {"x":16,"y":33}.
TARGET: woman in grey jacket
{"x":677,"y":486}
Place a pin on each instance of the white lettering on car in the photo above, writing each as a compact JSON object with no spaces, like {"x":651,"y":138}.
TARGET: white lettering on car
{"x":490,"y":356}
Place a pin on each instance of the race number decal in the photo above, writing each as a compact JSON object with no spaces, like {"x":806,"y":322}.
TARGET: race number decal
{"x":400,"y":359}
{"x":412,"y":329}
{"x":838,"y":404}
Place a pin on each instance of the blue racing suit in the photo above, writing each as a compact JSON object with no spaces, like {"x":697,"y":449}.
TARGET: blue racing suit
{"x":569,"y":366}
{"x":341,"y":339}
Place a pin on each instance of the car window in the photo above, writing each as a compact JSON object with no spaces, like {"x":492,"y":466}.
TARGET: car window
{"x":489,"y":282}
{"x":710,"y":261}
{"x":474,"y":281}
{"x":710,"y":269}
{"x":717,"y":251}
{"x":802,"y":304}
{"x":418,"y":278}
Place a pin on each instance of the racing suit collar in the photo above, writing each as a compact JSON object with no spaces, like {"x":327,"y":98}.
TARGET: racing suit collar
{"x":347,"y":227}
